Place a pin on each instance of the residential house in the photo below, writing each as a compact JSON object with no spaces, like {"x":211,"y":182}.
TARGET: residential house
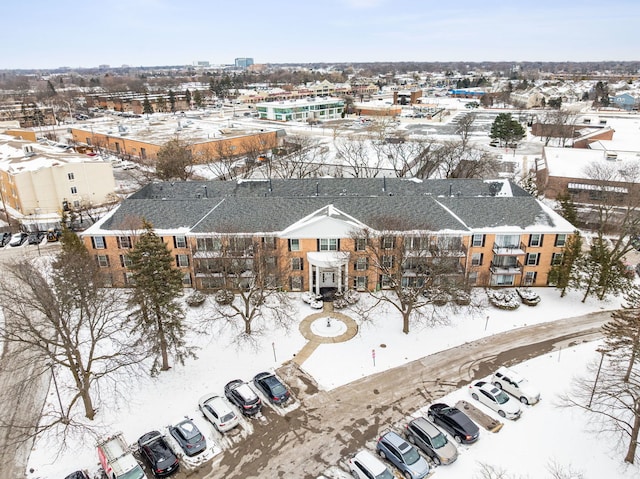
{"x":489,"y":233}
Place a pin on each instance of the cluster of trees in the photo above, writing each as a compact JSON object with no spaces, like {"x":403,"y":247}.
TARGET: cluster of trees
{"x":91,"y":336}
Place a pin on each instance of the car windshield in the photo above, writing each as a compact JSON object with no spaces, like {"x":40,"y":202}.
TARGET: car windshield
{"x":411,"y":456}
{"x":386,"y":474}
{"x":439,"y":441}
{"x":277,"y":388}
{"x":135,"y":473}
{"x":501,"y":397}
{"x":227,"y":417}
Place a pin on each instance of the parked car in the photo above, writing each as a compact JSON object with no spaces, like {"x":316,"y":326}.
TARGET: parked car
{"x":271,"y":387}
{"x":53,"y":235}
{"x":158,"y":454}
{"x":77,"y":475}
{"x":455,"y":422}
{"x":4,"y":239}
{"x":35,"y":237}
{"x":403,"y":455}
{"x":496,"y":399}
{"x":240,"y":394}
{"x":431,"y":441}
{"x":365,"y":465}
{"x":18,"y":239}
{"x":218,"y":411}
{"x":516,"y":385}
{"x":188,"y":437}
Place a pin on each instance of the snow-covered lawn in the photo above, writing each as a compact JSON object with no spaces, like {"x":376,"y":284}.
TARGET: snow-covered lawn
{"x":524,"y":448}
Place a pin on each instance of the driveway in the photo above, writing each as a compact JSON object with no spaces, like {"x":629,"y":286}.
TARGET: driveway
{"x":330,"y":425}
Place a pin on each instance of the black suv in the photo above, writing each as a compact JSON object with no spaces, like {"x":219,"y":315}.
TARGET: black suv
{"x":158,"y":454}
{"x":240,"y":394}
{"x":271,"y":387}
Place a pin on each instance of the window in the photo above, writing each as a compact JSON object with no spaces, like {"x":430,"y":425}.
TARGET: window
{"x":74,"y":190}
{"x":270,"y":262}
{"x":387,"y":242}
{"x":386,"y":281}
{"x":561,"y":240}
{"x":128,"y":279}
{"x":296,"y":264}
{"x":556,"y":259}
{"x":535,"y":240}
{"x":98,"y":242}
{"x":328,"y":244}
{"x":296,"y":283}
{"x":182,"y":260}
{"x":360,"y":283}
{"x":143,"y":155}
{"x":533,"y":259}
{"x":124,"y":242}
{"x":269,"y":242}
{"x":477,"y":240}
{"x":294,"y":245}
{"x":473,"y":277}
{"x":70,"y":176}
{"x":208,"y":244}
{"x":387,"y":261}
{"x":361,"y":263}
{"x":530,"y":277}
{"x":76,"y":204}
{"x":103,"y":260}
{"x":416,"y":243}
{"x":502,"y":280}
{"x":476,"y":259}
{"x":186,"y":279}
{"x":508,"y":241}
{"x":125,"y":261}
{"x":107,"y":279}
{"x":361,"y":244}
{"x":179,"y":241}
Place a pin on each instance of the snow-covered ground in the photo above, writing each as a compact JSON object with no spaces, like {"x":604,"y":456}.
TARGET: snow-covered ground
{"x":524,"y":448}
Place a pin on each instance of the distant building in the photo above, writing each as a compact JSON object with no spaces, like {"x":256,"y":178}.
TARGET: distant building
{"x":302,"y":109}
{"x":43,"y":179}
{"x":243,"y":62}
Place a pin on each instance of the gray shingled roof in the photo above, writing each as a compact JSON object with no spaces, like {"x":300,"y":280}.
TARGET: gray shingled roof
{"x":273,"y":205}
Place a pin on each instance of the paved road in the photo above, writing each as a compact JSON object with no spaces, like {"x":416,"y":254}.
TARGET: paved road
{"x":331,"y":425}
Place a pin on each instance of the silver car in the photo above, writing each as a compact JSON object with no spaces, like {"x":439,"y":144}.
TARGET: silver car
{"x":431,"y":441}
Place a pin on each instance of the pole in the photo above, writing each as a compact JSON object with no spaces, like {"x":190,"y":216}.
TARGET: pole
{"x":55,"y":384}
{"x":486,"y":323}
{"x":273,"y":345}
{"x":373,"y":356}
{"x":595,"y":383}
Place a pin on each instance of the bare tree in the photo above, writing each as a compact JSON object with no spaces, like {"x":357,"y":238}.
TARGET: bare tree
{"x":356,"y":155}
{"x":69,"y":321}
{"x":248,"y":278}
{"x":174,"y":161}
{"x":303,"y":157}
{"x":613,"y":403}
{"x":465,"y":124}
{"x":415,"y":271}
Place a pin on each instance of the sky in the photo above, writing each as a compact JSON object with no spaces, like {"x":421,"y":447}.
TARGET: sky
{"x":79,"y":33}
{"x":333,"y":365}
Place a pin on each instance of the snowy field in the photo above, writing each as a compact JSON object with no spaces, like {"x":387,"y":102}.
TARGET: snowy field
{"x":524,"y":448}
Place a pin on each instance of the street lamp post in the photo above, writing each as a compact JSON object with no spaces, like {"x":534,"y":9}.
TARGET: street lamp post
{"x":595,"y":383}
{"x":55,"y":384}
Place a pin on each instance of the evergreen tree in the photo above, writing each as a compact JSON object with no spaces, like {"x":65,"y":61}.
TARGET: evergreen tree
{"x":172,"y":101}
{"x":51,"y":89}
{"x":622,"y":333}
{"x":568,"y":207}
{"x":147,"y":109}
{"x":161,"y":104}
{"x":156,"y":314}
{"x":506,"y":129}
{"x":563,"y":274}
{"x":187,"y":95}
{"x":197,"y":98}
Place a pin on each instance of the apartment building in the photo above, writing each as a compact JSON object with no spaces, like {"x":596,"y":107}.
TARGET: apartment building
{"x":314,"y":234}
{"x":42,"y":178}
{"x":301,"y":109}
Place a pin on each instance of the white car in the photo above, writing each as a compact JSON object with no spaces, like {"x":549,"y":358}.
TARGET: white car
{"x":496,"y":399}
{"x":365,"y":465}
{"x":516,"y":385}
{"x":218,"y":410}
